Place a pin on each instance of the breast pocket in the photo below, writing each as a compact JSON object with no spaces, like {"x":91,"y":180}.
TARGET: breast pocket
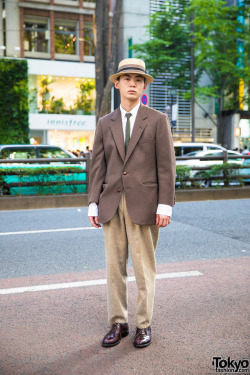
{"x":146,"y":140}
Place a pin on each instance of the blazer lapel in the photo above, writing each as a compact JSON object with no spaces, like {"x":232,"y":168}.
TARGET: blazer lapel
{"x":117,"y":131}
{"x":139,"y":126}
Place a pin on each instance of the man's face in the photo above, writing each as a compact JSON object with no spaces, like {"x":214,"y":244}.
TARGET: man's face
{"x":131,"y":86}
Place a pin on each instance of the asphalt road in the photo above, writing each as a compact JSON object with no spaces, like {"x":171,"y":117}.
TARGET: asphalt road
{"x":58,"y":331}
{"x":199,"y":230}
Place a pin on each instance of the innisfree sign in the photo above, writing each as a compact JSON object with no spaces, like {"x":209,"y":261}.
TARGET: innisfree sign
{"x":61,"y":122}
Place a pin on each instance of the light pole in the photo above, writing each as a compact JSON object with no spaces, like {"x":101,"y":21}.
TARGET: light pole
{"x":192,"y":77}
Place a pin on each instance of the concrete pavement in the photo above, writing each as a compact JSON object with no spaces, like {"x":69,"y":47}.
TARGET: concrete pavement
{"x":195,"y":319}
{"x":59,"y":331}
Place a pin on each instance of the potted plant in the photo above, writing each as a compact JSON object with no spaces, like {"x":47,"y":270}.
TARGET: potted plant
{"x":45,"y":93}
{"x":56,"y":105}
{"x":84,"y":101}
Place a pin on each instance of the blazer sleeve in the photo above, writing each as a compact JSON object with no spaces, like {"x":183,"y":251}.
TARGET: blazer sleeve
{"x":97,"y":167}
{"x":166,"y":164}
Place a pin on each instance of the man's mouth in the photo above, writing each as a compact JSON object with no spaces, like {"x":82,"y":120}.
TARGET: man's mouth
{"x":132,"y":91}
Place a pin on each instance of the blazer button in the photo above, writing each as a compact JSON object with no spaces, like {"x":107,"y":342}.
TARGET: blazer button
{"x":124,"y":173}
{"x":119,"y":190}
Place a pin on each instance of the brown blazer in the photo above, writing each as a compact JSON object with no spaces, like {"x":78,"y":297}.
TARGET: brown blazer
{"x":146,"y":174}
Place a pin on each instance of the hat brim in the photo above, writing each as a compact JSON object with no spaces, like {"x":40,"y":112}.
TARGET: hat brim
{"x":149,"y":79}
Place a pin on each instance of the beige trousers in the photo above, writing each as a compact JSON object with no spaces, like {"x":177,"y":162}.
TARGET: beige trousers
{"x":120,"y":233}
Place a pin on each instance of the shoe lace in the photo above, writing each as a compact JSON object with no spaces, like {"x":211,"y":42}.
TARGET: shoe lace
{"x":114,"y":328}
{"x":142,"y":332}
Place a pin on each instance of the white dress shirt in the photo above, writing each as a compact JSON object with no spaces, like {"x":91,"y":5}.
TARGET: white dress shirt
{"x":162,"y":209}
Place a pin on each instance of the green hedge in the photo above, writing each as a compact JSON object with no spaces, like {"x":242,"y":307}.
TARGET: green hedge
{"x":35,"y":180}
{"x":23,"y":171}
{"x":14,"y":113}
{"x":219,"y":173}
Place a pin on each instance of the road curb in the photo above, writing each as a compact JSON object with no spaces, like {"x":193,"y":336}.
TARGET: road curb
{"x":212,"y":194}
{"x":81,"y":200}
{"x":47,"y":201}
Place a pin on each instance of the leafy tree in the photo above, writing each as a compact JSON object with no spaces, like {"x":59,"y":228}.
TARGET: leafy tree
{"x":168,"y":49}
{"x":217,"y":37}
{"x":14,"y":120}
{"x":217,"y":53}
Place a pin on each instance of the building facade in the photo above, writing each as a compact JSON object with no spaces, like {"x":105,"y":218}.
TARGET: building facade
{"x":57,"y":37}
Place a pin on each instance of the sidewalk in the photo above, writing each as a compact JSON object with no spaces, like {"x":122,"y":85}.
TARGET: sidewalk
{"x":195,"y":319}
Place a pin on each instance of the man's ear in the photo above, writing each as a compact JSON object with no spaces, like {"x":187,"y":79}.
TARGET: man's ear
{"x":145,"y":86}
{"x":117,"y":84}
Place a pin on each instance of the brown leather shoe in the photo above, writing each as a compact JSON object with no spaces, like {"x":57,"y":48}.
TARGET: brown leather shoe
{"x":114,"y":336}
{"x":142,"y":337}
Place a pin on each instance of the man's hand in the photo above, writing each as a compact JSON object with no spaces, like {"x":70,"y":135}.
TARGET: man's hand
{"x":94,"y":221}
{"x":162,"y":220}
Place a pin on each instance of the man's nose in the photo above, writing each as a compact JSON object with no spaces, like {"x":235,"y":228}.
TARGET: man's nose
{"x":132,"y":82}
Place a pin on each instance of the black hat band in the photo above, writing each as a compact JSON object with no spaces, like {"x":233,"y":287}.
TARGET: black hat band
{"x":131,"y":68}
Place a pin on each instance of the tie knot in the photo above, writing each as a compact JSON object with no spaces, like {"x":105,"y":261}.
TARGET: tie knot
{"x":128,"y":115}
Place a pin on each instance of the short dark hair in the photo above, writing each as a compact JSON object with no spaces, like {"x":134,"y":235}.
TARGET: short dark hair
{"x":118,"y":78}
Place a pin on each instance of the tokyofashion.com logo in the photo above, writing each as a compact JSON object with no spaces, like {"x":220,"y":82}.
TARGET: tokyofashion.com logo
{"x":229,"y":365}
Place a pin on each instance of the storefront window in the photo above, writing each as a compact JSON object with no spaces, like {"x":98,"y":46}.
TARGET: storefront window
{"x":36,"y":34}
{"x":61,"y":95}
{"x":66,"y":37}
{"x":244,"y":139}
{"x":89,"y":46}
{"x":72,"y":140}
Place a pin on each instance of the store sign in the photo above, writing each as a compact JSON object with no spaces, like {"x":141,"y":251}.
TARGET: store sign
{"x":144,"y":99}
{"x":61,"y":122}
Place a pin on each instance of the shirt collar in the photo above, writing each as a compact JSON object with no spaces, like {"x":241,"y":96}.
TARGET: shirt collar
{"x":133,"y":111}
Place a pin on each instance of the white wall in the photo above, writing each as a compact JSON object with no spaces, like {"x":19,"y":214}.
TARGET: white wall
{"x":61,"y":68}
{"x":12,"y":26}
{"x":135,"y":18}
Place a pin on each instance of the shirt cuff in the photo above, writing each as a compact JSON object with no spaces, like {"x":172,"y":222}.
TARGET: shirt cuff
{"x":164,"y":209}
{"x":93,"y":209}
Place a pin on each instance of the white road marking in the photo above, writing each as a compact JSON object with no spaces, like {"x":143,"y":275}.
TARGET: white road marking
{"x":77,"y":284}
{"x":46,"y":231}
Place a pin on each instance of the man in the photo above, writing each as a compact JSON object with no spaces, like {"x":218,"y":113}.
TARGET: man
{"x":131,"y":191}
{"x":245,"y":151}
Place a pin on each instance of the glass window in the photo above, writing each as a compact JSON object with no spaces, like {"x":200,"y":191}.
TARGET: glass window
{"x":213,"y":148}
{"x":50,"y":153}
{"x":21,"y":153}
{"x":89,"y":45}
{"x":66,"y":37}
{"x":187,"y":149}
{"x":219,"y":153}
{"x":4,"y":154}
{"x":177,"y":151}
{"x":36,"y":34}
{"x":194,"y":153}
{"x":61,"y":95}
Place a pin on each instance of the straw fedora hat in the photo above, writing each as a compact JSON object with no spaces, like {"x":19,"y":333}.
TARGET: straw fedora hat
{"x":132,"y":66}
